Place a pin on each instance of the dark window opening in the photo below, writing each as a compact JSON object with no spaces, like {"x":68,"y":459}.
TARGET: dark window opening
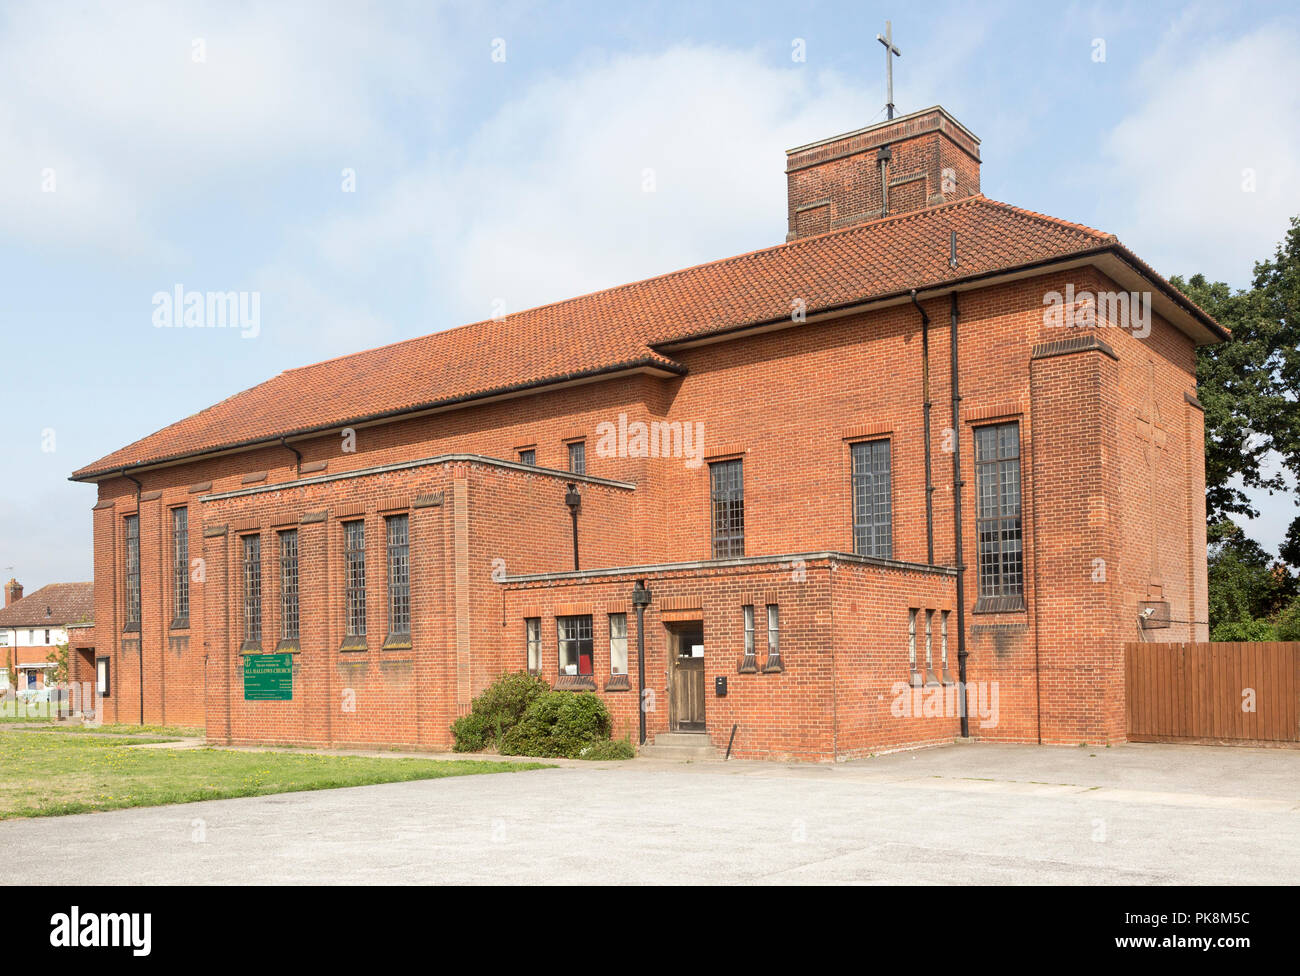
{"x":578,"y":457}
{"x":354,"y":563}
{"x":997,"y":513}
{"x":575,"y":645}
{"x":289,"y":585}
{"x":872,"y":508}
{"x":727,"y":486}
{"x":252,"y":590}
{"x":399,"y":576}
{"x":131,"y":526}
{"x":180,"y":567}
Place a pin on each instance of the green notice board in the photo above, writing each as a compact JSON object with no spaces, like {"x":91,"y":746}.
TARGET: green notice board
{"x":268,"y":677}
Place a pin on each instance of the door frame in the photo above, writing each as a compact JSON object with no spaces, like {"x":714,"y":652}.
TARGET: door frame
{"x":676,"y":630}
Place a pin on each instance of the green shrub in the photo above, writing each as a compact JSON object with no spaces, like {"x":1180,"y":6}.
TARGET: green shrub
{"x":497,"y":710}
{"x":1244,"y":630}
{"x":608,"y":749}
{"x":1288,"y":621}
{"x":559,"y":723}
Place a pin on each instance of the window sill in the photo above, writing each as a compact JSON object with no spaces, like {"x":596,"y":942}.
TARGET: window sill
{"x":288,"y":646}
{"x":353,"y":645}
{"x":999,"y":604}
{"x":180,"y":623}
{"x":914,"y":679}
{"x":250,"y":647}
{"x":618,"y":682}
{"x":773,"y":664}
{"x":131,"y":629}
{"x":575,"y":682}
{"x":398,"y":642}
{"x":747,"y":665}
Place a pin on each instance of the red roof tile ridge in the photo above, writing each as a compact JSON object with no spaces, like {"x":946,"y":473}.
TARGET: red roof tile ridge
{"x":1100,"y":235}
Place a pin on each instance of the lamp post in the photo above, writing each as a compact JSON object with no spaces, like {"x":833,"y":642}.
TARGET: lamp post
{"x":574,"y":501}
{"x":640,"y":600}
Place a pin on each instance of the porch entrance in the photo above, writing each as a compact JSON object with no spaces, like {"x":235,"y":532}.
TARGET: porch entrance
{"x":686,"y":702}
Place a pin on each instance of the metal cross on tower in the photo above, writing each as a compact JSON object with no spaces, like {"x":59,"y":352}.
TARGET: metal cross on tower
{"x":887,"y":39}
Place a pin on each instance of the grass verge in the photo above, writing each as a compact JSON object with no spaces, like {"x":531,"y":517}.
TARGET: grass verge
{"x":52,"y":775}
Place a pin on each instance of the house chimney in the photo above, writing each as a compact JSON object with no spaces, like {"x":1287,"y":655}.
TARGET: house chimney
{"x":898,"y":166}
{"x":13,"y":591}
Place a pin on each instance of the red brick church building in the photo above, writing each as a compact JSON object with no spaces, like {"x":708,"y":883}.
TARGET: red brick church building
{"x":929,"y":433}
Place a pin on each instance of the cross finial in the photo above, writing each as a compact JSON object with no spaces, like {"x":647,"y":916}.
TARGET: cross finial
{"x":887,"y":39}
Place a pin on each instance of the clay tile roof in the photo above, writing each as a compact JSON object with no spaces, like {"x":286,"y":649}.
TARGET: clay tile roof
{"x":622,"y":327}
{"x":68,"y":603}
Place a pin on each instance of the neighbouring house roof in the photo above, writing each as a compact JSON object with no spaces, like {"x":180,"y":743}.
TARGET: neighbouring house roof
{"x":67,"y":603}
{"x":628,"y":327}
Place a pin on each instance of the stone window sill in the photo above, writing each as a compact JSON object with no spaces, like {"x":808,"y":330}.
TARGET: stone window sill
{"x":180,"y":623}
{"x":747,"y":665}
{"x":398,"y":642}
{"x":575,"y":682}
{"x":250,"y":647}
{"x":618,"y":682}
{"x":289,"y":645}
{"x":773,"y":664}
{"x":353,"y":645}
{"x":999,"y":604}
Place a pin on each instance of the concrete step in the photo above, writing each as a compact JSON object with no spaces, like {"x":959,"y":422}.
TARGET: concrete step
{"x":682,"y":747}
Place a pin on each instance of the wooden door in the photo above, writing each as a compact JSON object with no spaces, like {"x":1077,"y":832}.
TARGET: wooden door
{"x":688,"y":679}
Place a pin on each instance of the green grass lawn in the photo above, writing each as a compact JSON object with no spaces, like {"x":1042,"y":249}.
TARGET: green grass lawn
{"x":44,"y":775}
{"x":169,"y":731}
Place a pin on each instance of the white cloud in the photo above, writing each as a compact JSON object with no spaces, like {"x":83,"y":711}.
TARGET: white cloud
{"x":546,"y":200}
{"x":1177,"y":162}
{"x":112,"y":99}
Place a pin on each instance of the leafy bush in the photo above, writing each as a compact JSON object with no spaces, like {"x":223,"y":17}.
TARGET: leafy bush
{"x":1244,"y":630}
{"x":497,"y":710}
{"x":559,"y":723}
{"x":1288,"y":622}
{"x":608,"y":749}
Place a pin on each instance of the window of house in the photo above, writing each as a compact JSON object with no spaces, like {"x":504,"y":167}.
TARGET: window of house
{"x":575,"y":645}
{"x":618,"y":643}
{"x":101,"y":677}
{"x":47,"y":637}
{"x":873,"y":533}
{"x":773,"y":662}
{"x":929,"y":642}
{"x":727,"y":488}
{"x":399,"y":576}
{"x":252,"y":590}
{"x":997,"y":515}
{"x":533,"y":643}
{"x":180,"y":567}
{"x":911,"y":639}
{"x":354,"y":569}
{"x":943,"y":639}
{"x":528,"y":457}
{"x":289,"y":585}
{"x":578,"y":457}
{"x":131,"y":528}
{"x":748,"y":613}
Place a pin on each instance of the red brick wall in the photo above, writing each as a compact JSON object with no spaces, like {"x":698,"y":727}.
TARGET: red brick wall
{"x":788,"y":402}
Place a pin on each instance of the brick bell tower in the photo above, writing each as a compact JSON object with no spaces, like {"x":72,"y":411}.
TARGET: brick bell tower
{"x":905,"y":164}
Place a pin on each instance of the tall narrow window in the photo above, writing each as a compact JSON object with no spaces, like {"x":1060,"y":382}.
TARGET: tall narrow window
{"x":578,"y":457}
{"x":575,"y":645}
{"x":618,"y":643}
{"x":102,"y":686}
{"x":289,"y":585}
{"x":528,"y":456}
{"x":873,"y":533}
{"x":773,"y":662}
{"x":748,"y":663}
{"x":929,"y":647}
{"x":727,"y":489}
{"x":252,"y":591}
{"x":943,"y":642}
{"x":911,"y":642}
{"x":354,"y":568}
{"x":131,"y":528}
{"x":533,"y":642}
{"x":997,"y":517}
{"x":180,"y":567}
{"x":399,"y":576}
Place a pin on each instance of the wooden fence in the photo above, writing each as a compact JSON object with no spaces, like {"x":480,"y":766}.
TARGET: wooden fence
{"x":1213,"y":693}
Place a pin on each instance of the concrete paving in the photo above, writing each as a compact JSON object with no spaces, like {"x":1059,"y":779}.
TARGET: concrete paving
{"x":1134,"y":814}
